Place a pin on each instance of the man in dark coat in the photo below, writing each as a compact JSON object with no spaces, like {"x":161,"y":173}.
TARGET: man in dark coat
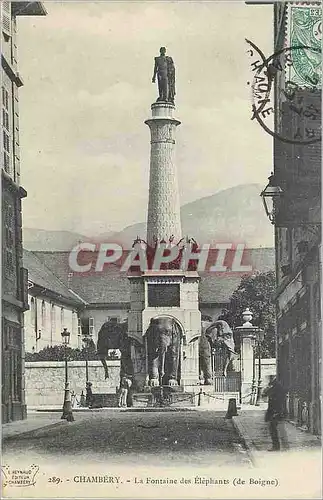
{"x":276,"y":412}
{"x":164,"y":69}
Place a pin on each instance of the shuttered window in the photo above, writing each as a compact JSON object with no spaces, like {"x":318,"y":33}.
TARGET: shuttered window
{"x":62,"y":318}
{"x":79,"y":327}
{"x":9,"y":237}
{"x":6,"y":130}
{"x":91,"y":326}
{"x":6,"y":18}
{"x":53,"y":318}
{"x":32,"y":312}
{"x":43,"y":315}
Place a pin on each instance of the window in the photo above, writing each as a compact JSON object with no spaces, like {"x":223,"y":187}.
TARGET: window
{"x":62,"y":318}
{"x":79,"y":332}
{"x":6,"y":129}
{"x":8,"y":238}
{"x":6,"y":19}
{"x":52,"y":319}
{"x":74,"y":322}
{"x":33,"y":312}
{"x":43,"y":315}
{"x":91,"y":326}
{"x":79,"y":327}
{"x":163,"y":295}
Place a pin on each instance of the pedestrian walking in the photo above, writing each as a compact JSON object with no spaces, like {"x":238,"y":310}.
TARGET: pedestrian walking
{"x":74,"y":400}
{"x":125,"y":385}
{"x":276,"y":414}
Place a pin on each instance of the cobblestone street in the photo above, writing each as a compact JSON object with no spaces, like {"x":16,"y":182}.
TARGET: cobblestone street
{"x":156,"y":438}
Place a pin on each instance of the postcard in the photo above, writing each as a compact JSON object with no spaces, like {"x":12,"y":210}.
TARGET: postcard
{"x":161,"y":249}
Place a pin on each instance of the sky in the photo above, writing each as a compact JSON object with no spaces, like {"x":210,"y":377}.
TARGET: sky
{"x":87,"y":69}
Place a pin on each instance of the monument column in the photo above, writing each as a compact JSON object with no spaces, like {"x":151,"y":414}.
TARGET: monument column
{"x":167,"y":295}
{"x":163,"y":221}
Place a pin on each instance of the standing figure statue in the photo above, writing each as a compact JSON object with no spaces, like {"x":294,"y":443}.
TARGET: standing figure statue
{"x":221,"y":336}
{"x":164,"y":69}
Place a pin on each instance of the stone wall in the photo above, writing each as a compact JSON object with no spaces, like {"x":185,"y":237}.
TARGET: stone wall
{"x":45,"y":380}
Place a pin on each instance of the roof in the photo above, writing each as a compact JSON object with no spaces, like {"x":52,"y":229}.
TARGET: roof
{"x":112,"y":286}
{"x":28,"y":8}
{"x":219,"y":287}
{"x":42,"y":276}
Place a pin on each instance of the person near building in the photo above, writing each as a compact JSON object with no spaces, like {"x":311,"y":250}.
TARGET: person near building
{"x":276,"y":414}
{"x":89,"y":395}
{"x":125,"y":385}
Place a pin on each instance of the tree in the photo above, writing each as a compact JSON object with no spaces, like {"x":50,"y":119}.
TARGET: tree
{"x":257,"y":293}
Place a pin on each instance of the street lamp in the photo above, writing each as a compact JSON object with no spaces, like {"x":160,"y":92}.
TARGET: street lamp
{"x":270,"y":197}
{"x":87,"y":341}
{"x":67,"y":405}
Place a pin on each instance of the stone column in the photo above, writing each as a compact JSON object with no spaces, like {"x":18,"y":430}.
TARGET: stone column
{"x":163,"y":219}
{"x":247,"y":353}
{"x":248,"y":335}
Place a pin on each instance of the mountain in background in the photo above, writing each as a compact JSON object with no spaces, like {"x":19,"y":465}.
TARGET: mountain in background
{"x":234,"y":215}
{"x":42,"y":239}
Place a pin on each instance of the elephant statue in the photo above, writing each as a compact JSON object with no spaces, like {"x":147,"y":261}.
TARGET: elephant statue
{"x":205,"y":354}
{"x":220,"y":336}
{"x":163,"y":349}
{"x":115,"y":336}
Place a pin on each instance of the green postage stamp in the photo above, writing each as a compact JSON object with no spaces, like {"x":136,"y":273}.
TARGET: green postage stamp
{"x":304,"y":29}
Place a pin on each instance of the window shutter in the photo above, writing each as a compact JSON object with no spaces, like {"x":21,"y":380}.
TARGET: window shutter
{"x":6,"y":18}
{"x":91,"y":326}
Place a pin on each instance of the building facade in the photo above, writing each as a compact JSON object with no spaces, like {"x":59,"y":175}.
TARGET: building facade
{"x":14,"y":275}
{"x":106,"y":295}
{"x":297,"y":171}
{"x":52,"y":307}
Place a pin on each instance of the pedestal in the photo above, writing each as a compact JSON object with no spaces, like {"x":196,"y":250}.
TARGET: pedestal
{"x":247,"y":375}
{"x":185,"y":313}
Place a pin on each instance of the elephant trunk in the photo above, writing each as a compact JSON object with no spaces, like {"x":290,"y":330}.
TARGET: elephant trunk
{"x":105,"y":366}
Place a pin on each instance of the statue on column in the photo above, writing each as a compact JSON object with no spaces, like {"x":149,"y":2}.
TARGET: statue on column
{"x":164,"y":69}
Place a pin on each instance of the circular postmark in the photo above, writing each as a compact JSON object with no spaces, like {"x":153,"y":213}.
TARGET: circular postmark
{"x":285,"y":109}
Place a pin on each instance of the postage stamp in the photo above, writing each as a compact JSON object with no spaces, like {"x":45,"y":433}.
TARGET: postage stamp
{"x":306,"y":128}
{"x":304,"y":29}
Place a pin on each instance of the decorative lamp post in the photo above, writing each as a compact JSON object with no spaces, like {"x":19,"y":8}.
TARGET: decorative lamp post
{"x":67,"y":405}
{"x":270,"y":197}
{"x":248,"y":334}
{"x":87,"y":340}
